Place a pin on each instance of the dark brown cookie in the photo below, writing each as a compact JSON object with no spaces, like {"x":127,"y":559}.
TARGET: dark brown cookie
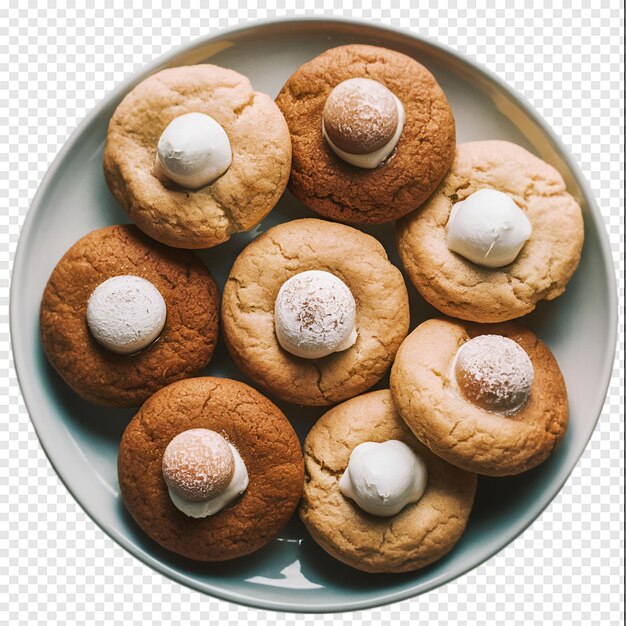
{"x":263,"y":437}
{"x":185,"y":344}
{"x":332,"y":187}
{"x":458,"y":430}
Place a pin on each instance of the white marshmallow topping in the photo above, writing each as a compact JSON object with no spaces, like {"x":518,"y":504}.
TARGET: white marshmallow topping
{"x":126,"y":313}
{"x":488,"y":228}
{"x":315,"y":315}
{"x":382,"y":478}
{"x":370,"y":160}
{"x":193,"y":151}
{"x":203,"y":508}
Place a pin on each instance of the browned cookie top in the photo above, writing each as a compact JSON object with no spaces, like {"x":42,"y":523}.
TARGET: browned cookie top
{"x":545,"y":264}
{"x":458,"y":430}
{"x":265,"y":441}
{"x":236,"y":201}
{"x":360,"y":261}
{"x":185,"y":344}
{"x":420,"y":533}
{"x":332,"y":187}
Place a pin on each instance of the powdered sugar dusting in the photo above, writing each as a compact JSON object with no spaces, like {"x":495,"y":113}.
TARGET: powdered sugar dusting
{"x":494,"y":372}
{"x":315,"y":314}
{"x":198,"y":464}
{"x":360,"y":115}
{"x":126,"y":313}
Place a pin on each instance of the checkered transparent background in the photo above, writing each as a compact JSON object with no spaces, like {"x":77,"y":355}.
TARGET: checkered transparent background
{"x":57,"y":566}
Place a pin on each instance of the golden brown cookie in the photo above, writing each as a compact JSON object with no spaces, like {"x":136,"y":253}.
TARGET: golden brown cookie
{"x":265,"y":441}
{"x":545,"y":264}
{"x":236,"y":201}
{"x":336,"y":189}
{"x":428,"y":398}
{"x":185,"y":344}
{"x":419,"y":534}
{"x":360,"y":261}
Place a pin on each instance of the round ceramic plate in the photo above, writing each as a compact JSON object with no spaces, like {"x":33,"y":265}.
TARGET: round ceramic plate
{"x":292,"y":572}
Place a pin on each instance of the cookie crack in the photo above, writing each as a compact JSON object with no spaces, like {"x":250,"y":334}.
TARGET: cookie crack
{"x":280,"y":249}
{"x":318,"y":381}
{"x":245,"y":105}
{"x":233,"y":224}
{"x":326,"y":469}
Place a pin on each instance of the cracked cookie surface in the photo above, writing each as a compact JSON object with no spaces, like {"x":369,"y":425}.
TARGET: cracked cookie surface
{"x":419,"y":534}
{"x":336,"y":189}
{"x":185,"y":344}
{"x":360,"y":261}
{"x":458,"y":287}
{"x":427,"y":398}
{"x":265,"y":441}
{"x":236,"y":201}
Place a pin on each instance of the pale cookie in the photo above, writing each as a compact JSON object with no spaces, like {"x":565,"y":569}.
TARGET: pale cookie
{"x":265,"y":441}
{"x":184,"y":345}
{"x":360,"y":261}
{"x":419,"y":534}
{"x":545,"y":264}
{"x":427,"y":396}
{"x":235,"y":202}
{"x":333,"y":188}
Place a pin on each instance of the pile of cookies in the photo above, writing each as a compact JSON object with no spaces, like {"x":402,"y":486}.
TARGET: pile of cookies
{"x":313,"y":312}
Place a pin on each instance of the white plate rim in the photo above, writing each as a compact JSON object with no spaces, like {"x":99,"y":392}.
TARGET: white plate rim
{"x":162,"y":61}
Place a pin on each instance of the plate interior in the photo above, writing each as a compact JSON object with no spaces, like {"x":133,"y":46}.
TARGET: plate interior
{"x":292,"y":572}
